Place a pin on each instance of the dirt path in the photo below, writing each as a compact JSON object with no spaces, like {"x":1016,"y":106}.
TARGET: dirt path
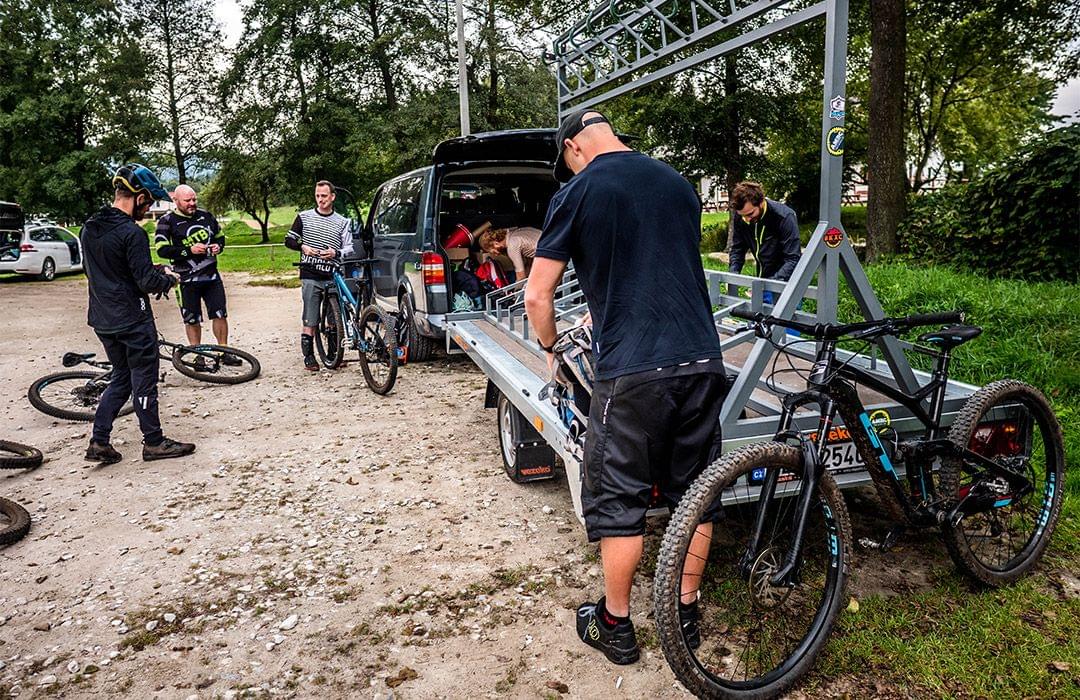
{"x":320,"y":542}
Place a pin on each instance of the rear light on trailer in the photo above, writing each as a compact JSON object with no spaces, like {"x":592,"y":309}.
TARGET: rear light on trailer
{"x":432,"y":266}
{"x":996,"y":439}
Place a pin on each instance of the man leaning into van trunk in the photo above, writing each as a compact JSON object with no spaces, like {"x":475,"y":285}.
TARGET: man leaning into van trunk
{"x":632,"y":226}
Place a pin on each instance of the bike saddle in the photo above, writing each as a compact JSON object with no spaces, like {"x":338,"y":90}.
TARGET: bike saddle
{"x":73,"y":358}
{"x":951,"y":336}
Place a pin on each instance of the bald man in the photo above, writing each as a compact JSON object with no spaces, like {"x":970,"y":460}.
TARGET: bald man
{"x":632,"y":226}
{"x":191,"y":239}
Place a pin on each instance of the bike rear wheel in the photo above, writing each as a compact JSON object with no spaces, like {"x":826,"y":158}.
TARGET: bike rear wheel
{"x":378,"y":349}
{"x":71,"y":395}
{"x":329,"y":334}
{"x":756,"y":639}
{"x":16,"y":456}
{"x":14,"y":521}
{"x":216,"y":364}
{"x":1002,"y":534}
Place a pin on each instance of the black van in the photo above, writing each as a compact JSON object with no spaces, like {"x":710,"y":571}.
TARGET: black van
{"x":503,"y":177}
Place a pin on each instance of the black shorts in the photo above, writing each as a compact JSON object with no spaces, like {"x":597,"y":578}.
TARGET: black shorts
{"x":659,"y":427}
{"x":194,"y":294}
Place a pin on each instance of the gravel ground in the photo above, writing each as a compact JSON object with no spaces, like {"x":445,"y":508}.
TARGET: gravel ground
{"x":322,"y":541}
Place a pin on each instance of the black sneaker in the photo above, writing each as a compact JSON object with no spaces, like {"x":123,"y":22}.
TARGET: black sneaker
{"x":310,"y":363}
{"x":230,"y":360}
{"x":619,"y":644}
{"x":688,"y":620}
{"x":105,"y":454}
{"x":166,"y":450}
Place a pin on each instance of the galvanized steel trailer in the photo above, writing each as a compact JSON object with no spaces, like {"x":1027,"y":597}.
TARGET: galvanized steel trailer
{"x":621,"y":46}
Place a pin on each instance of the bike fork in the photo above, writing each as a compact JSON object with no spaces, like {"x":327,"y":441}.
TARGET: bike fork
{"x":787,"y":574}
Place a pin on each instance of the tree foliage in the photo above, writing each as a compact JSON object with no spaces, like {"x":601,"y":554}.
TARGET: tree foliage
{"x":72,"y":103}
{"x":1016,"y":220}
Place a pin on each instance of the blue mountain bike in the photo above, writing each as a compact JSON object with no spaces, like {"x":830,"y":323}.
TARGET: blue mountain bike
{"x":349,"y":318}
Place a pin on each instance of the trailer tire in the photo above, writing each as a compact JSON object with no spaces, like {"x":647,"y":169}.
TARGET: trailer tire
{"x":508,"y":438}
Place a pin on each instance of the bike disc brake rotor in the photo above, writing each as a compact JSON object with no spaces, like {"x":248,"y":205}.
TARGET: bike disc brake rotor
{"x":765,"y":595}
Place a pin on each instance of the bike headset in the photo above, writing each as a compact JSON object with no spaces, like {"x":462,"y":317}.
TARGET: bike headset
{"x":139,"y":179}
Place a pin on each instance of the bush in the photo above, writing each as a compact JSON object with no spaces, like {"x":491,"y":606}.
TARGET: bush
{"x":1018,"y":220}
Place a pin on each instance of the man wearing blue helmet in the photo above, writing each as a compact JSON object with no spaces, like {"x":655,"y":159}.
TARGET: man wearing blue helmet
{"x":120,"y":276}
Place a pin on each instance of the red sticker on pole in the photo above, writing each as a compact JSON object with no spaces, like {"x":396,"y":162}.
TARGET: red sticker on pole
{"x":833,"y":237}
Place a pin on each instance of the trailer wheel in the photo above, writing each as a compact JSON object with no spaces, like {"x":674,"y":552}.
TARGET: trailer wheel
{"x":507,"y":439}
{"x":524,"y":454}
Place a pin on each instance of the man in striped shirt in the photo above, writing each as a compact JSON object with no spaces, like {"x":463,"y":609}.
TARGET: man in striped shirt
{"x":322,"y":236}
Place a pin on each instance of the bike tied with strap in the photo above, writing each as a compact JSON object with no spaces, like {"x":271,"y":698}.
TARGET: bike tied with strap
{"x":778,"y":560}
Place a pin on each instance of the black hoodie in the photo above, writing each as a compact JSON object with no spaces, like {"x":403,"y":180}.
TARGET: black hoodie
{"x":119,"y":271}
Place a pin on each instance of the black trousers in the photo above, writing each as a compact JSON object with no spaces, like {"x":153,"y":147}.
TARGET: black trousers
{"x":134,"y":357}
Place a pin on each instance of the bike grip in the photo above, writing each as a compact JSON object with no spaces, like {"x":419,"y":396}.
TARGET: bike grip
{"x":935,"y":318}
{"x":746,"y":315}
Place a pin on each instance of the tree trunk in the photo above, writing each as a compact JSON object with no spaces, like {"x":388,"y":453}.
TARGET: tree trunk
{"x":170,"y":77}
{"x":885,"y":162}
{"x":381,"y":59}
{"x":493,"y":68}
{"x":732,"y":156}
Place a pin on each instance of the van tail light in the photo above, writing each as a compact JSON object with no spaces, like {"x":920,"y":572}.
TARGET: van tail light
{"x":27,"y":248}
{"x":432,"y":266}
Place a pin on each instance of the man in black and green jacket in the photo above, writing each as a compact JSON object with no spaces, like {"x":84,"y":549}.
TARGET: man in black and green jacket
{"x":191,"y":239}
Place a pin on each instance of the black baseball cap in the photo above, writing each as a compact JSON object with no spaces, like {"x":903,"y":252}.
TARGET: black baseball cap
{"x":571,"y":127}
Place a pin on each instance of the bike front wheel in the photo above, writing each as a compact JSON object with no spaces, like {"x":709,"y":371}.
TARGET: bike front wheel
{"x":14,"y":521}
{"x":216,"y":364}
{"x":753,"y":639}
{"x":14,"y":455}
{"x":999,"y":535}
{"x":378,"y":349}
{"x":329,"y":334}
{"x":71,"y":395}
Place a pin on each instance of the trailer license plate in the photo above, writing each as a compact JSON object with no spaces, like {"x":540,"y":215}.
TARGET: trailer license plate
{"x":842,"y":457}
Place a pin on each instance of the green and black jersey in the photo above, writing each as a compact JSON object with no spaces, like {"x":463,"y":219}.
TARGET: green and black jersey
{"x":176,"y":234}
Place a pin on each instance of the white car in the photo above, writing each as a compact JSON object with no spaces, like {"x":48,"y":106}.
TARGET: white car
{"x":45,"y":250}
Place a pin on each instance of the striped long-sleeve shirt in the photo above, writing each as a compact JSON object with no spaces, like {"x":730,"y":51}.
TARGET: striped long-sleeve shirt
{"x":319,"y":231}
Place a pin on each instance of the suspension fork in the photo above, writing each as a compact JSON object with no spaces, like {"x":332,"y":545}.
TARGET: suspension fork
{"x":812,"y":464}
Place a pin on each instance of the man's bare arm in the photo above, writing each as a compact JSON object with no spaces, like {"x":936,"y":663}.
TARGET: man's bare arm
{"x":544,"y":278}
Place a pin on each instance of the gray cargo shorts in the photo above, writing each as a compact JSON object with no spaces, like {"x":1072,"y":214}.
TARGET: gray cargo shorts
{"x":312,"y":293}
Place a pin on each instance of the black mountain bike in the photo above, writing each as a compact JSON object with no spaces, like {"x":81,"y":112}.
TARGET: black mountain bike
{"x":75,"y":395}
{"x":778,"y":559}
{"x":349,"y":318}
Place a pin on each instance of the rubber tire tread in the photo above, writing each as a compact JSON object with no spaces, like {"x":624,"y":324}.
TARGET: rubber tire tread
{"x":34,"y":394}
{"x":389,"y":340}
{"x":335,"y":361}
{"x":20,"y":521}
{"x":25,"y":457}
{"x":672,"y":554}
{"x":213,"y":378}
{"x":420,"y":347}
{"x":960,"y":433}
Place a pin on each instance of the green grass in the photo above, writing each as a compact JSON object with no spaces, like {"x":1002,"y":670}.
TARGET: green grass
{"x":279,"y":216}
{"x":954,"y":640}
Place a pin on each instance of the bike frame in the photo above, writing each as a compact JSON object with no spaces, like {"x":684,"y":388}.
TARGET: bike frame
{"x":832,"y":389}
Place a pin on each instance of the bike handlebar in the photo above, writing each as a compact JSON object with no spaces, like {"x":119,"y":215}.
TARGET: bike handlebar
{"x":861,"y":329}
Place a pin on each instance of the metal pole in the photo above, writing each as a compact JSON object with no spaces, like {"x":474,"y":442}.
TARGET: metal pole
{"x":463,"y":81}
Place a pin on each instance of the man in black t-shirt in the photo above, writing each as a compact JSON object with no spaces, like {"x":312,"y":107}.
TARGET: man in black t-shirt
{"x":632,"y":226}
{"x":191,"y":239}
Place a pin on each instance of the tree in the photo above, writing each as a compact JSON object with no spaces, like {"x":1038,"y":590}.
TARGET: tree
{"x":72,"y":104}
{"x":246,"y":183}
{"x":186,"y":48}
{"x":885,"y":165}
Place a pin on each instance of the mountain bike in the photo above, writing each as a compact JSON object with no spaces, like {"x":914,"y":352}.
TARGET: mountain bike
{"x":75,"y":395}
{"x":353,"y":321}
{"x":778,"y":559}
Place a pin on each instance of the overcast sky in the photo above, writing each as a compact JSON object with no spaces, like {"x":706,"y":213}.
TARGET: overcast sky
{"x":230,"y":14}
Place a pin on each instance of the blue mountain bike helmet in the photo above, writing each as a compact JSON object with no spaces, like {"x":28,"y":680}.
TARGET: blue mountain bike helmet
{"x":138,"y":178}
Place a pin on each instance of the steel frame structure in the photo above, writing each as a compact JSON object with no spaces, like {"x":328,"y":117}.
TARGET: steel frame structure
{"x":622,"y":46}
